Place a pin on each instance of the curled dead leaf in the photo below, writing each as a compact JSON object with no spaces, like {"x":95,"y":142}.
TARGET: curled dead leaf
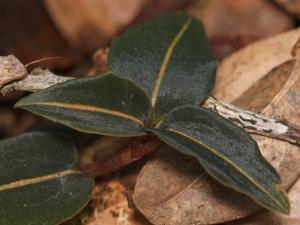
{"x":239,"y":71}
{"x":266,"y":88}
{"x":11,"y":69}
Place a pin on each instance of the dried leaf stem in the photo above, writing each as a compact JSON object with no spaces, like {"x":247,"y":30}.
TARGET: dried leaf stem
{"x":134,"y":150}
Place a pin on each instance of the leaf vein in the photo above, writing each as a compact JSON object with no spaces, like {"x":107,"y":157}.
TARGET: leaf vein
{"x":166,"y":60}
{"x":93,"y":109}
{"x":227,"y":160}
{"x":25,"y":182}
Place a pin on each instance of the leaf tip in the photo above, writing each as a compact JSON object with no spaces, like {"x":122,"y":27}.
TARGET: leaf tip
{"x":21,"y":103}
{"x":285,"y":206}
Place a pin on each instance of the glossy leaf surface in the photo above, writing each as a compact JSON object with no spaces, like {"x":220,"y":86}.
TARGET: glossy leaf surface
{"x":169,"y":57}
{"x":38,"y":180}
{"x":104,"y":104}
{"x":228,"y":153}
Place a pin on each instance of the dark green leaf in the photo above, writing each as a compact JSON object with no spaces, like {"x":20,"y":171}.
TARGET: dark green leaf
{"x":38,"y":180}
{"x":169,"y":57}
{"x":228,"y":153}
{"x":104,"y":104}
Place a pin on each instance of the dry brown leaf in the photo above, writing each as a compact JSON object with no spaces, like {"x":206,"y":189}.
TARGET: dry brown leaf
{"x":291,"y":6}
{"x":240,"y":17}
{"x":173,"y":189}
{"x":285,"y":105}
{"x":266,"y":88}
{"x":283,"y":156}
{"x":232,"y":24}
{"x":90,"y":24}
{"x":282,"y":105}
{"x":239,"y":71}
{"x":294,"y":195}
{"x":11,"y":69}
{"x":268,"y":218}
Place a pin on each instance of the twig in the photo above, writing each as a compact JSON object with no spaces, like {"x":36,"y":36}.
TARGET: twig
{"x":136,"y":149}
{"x":254,"y":122}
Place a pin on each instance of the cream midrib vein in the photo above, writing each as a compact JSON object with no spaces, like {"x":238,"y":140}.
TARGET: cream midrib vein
{"x":35,"y":180}
{"x":166,"y":60}
{"x":92,"y":109}
{"x":225,"y":159}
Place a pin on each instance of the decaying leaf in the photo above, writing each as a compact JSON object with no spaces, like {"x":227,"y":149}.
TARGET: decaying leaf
{"x":266,"y":88}
{"x":282,"y":155}
{"x":294,"y":195}
{"x":232,"y":24}
{"x":239,"y":71}
{"x":235,"y":17}
{"x":267,"y":218}
{"x":285,"y":105}
{"x":98,"y":21}
{"x":11,"y":69}
{"x":173,"y":189}
{"x":291,"y":6}
{"x":282,"y":105}
{"x":90,"y":24}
